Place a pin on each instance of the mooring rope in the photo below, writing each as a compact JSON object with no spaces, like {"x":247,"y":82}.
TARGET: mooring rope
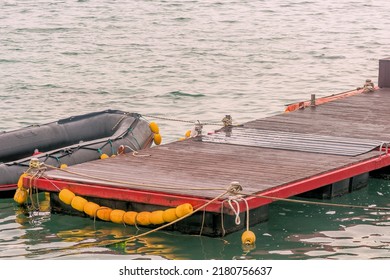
{"x":179,"y":219}
{"x":136,"y":153}
{"x":183,"y":121}
{"x":318,"y":202}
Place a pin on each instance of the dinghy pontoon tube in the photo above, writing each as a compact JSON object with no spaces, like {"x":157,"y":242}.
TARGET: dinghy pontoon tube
{"x":70,"y":141}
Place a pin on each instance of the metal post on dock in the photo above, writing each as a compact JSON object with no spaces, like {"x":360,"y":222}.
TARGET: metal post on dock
{"x":384,"y":73}
{"x":313,"y":100}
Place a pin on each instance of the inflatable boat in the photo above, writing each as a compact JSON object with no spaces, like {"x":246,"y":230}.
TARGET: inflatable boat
{"x":70,"y":141}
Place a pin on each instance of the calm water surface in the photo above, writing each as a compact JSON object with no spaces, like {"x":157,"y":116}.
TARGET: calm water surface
{"x":190,"y":60}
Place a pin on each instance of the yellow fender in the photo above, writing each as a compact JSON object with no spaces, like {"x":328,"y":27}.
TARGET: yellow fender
{"x":66,"y":196}
{"x":78,"y":203}
{"x":248,"y":238}
{"x":154,"y":127}
{"x":157,"y":139}
{"x":21,"y":196}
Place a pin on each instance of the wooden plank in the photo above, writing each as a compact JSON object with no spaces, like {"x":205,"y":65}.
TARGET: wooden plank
{"x":193,"y":168}
{"x":208,"y":170}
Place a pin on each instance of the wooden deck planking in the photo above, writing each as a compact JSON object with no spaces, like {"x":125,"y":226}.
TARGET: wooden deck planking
{"x":363,"y":116}
{"x":202,"y":169}
{"x":257,"y":169}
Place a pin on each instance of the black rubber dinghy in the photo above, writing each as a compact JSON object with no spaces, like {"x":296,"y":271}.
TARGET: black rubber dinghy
{"x":70,"y":141}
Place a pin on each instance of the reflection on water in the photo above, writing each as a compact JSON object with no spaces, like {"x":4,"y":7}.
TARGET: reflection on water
{"x":353,"y":242}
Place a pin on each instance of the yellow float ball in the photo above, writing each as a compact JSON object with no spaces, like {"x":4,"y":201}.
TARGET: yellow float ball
{"x":248,"y":238}
{"x":129,"y":217}
{"x":103,"y":213}
{"x":20,"y":196}
{"x":169,"y":215}
{"x":183,"y":210}
{"x":78,"y":203}
{"x":188,"y":134}
{"x":143,"y":218}
{"x":157,"y":139}
{"x":104,"y":156}
{"x":154,"y":127}
{"x":66,"y":196}
{"x":116,"y":216}
{"x":156,"y":217}
{"x":63,"y":166}
{"x":20,"y":181}
{"x":90,"y":209}
{"x":182,"y":138}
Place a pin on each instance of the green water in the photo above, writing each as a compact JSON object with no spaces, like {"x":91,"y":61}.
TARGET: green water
{"x":293,"y":231}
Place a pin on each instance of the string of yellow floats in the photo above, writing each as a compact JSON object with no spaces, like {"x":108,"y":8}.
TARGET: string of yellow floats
{"x":144,"y":218}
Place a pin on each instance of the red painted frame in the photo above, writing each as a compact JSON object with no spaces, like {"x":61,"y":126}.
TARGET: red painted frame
{"x":172,"y":200}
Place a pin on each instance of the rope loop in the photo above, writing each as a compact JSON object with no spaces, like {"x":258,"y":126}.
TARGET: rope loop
{"x":34,"y":163}
{"x":236,"y":211}
{"x":234,"y":188}
{"x":386,"y":145}
{"x":36,"y":167}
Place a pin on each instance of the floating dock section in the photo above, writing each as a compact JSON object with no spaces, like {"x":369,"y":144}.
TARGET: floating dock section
{"x":318,"y":150}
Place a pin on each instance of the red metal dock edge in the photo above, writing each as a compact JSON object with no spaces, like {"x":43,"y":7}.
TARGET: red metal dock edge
{"x":171,"y":200}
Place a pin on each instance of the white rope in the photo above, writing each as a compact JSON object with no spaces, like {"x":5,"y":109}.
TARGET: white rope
{"x":179,"y":120}
{"x":136,"y":153}
{"x":236,"y":211}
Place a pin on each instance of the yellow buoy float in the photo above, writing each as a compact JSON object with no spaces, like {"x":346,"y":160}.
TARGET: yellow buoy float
{"x":21,"y":195}
{"x":116,"y":216}
{"x":63,"y":166}
{"x":154,"y":127}
{"x":20,"y":181}
{"x":183,"y":209}
{"x":90,"y":208}
{"x":187,"y":135}
{"x":129,"y":217}
{"x":104,"y":156}
{"x":143,"y":218}
{"x":157,"y":139}
{"x":248,"y":238}
{"x":156,"y":217}
{"x":78,"y":203}
{"x":66,"y":196}
{"x":169,"y":215}
{"x":103,"y":213}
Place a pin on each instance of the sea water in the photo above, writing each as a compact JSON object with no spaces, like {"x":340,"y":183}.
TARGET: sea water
{"x":187,"y":61}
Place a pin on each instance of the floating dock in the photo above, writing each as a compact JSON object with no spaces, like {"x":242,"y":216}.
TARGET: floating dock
{"x":315,"y":150}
